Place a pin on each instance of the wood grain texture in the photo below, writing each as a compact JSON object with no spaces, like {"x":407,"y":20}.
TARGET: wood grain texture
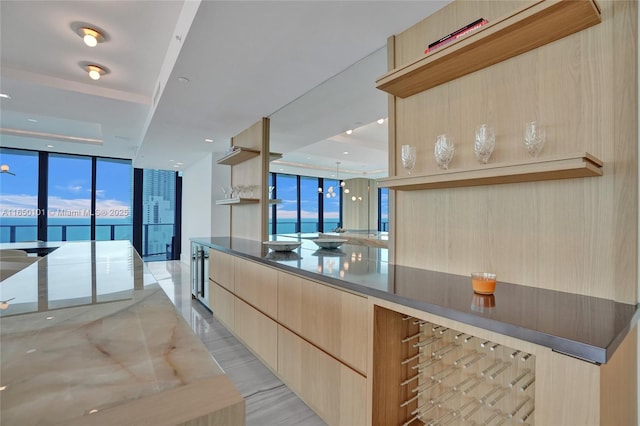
{"x":331,"y":319}
{"x":574,"y":235}
{"x":518,"y":32}
{"x":222,"y":304}
{"x":258,"y":332}
{"x":209,"y":402}
{"x":361,"y":213}
{"x":250,"y":220}
{"x":257,"y":285}
{"x":334,"y":391}
{"x":619,"y":384}
{"x":221,"y":269}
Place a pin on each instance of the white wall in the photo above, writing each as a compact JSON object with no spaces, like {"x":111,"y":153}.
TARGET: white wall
{"x":201,"y":185}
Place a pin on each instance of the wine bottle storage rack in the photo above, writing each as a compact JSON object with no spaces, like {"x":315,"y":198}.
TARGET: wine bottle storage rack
{"x":459,"y":379}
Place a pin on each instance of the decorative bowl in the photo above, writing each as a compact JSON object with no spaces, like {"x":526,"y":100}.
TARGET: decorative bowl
{"x":282,"y":245}
{"x":329,"y":243}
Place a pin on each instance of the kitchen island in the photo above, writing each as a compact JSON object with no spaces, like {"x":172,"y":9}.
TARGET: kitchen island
{"x":89,"y":337}
{"x":370,"y":321}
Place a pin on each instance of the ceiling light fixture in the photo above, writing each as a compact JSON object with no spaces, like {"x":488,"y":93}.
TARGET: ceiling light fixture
{"x":95,"y":71}
{"x":380,"y":121}
{"x":4,"y":96}
{"x":5,"y":169}
{"x":90,"y":36}
{"x":208,"y":140}
{"x":349,"y":131}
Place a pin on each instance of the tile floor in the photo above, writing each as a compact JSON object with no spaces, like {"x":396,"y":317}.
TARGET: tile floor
{"x":268,"y":401}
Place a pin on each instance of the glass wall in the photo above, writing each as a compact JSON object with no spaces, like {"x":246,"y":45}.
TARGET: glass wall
{"x":332,"y":205}
{"x":158,"y":214}
{"x":19,"y":196}
{"x":287,"y":210}
{"x":383,"y":209}
{"x":69,"y":198}
{"x":309,"y":216}
{"x":114,"y":197}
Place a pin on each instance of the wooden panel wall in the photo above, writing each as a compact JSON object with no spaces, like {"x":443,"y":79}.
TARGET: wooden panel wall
{"x":360,"y":214}
{"x":250,"y":220}
{"x":576,"y":235}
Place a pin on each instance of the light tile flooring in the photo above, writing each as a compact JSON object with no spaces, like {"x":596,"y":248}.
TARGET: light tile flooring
{"x":268,"y":401}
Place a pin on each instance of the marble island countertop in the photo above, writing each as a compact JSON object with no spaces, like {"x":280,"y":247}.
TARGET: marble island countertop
{"x":585,"y":327}
{"x":89,"y":332}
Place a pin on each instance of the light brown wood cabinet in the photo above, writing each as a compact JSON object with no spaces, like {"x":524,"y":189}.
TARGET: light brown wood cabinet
{"x":257,"y":285}
{"x":336,"y":392}
{"x":257,"y":331}
{"x":222,"y":304}
{"x":221,"y":269}
{"x":332,"y":319}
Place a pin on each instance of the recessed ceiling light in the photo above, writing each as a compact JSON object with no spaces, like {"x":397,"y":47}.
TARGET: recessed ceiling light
{"x":349,"y":131}
{"x":176,"y":166}
{"x":32,"y":120}
{"x":95,"y":71}
{"x":50,"y":146}
{"x":179,"y":163}
{"x":183,"y":79}
{"x":4,"y":96}
{"x":90,"y":36}
{"x":381,"y":120}
{"x":171,"y":161}
{"x":346,"y":153}
{"x":208,"y":140}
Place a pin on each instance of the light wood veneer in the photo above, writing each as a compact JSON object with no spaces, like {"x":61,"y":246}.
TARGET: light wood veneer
{"x":257,"y":331}
{"x":257,"y":285}
{"x":221,"y":269}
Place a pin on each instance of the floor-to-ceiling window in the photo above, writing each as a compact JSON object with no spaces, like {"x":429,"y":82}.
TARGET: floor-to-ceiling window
{"x":69,"y":198}
{"x":158,"y":214}
{"x":383,"y":209}
{"x":287,"y":210}
{"x":332,"y":205}
{"x":309,"y":213}
{"x":114,"y":193}
{"x":19,"y":196}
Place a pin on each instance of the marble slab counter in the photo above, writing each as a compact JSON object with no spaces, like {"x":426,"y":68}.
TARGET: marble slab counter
{"x":89,"y":337}
{"x":585,"y":327}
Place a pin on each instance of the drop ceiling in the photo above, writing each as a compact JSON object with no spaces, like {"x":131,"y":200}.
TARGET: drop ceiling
{"x":180,"y":72}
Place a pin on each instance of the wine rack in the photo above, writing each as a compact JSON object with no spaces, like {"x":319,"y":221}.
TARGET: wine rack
{"x":454,"y":378}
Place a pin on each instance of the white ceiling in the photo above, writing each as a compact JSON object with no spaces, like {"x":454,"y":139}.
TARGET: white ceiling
{"x":308,"y":65}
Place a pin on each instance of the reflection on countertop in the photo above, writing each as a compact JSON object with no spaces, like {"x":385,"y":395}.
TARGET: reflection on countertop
{"x":585,"y":327}
{"x":88,"y":332}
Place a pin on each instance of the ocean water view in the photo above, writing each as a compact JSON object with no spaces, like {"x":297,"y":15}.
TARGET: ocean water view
{"x":64,"y":229}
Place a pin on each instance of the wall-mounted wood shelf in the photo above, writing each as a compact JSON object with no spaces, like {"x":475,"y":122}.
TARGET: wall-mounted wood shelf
{"x":238,"y":201}
{"x":525,"y":30}
{"x":239,"y":155}
{"x":561,"y":167}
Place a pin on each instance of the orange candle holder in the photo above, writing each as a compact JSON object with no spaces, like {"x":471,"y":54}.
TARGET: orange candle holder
{"x":483,"y":282}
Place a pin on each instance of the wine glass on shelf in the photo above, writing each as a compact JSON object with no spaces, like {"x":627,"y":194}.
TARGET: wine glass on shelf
{"x":534,"y":138}
{"x":485,"y":142}
{"x":408,"y":157}
{"x":443,"y":151}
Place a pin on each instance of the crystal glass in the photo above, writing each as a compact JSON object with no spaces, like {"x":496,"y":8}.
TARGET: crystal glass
{"x":408,"y":157}
{"x":485,"y":142}
{"x":443,"y":151}
{"x":534,"y":138}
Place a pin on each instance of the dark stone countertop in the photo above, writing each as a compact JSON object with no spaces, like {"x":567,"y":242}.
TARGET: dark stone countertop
{"x":588,"y":328}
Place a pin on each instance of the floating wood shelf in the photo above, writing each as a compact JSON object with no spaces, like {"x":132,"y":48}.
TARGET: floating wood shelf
{"x":561,"y":167}
{"x":238,"y":201}
{"x":238,"y":156}
{"x":525,"y":30}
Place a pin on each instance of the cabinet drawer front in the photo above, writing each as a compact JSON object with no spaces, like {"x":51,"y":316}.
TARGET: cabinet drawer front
{"x":258,"y":332}
{"x":257,"y":285}
{"x":336,"y":392}
{"x":222,"y":304}
{"x":221,"y":269}
{"x":333,"y":320}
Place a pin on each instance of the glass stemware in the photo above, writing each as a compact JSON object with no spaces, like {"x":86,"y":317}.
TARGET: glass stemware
{"x":485,"y":142}
{"x":408,"y":157}
{"x":443,"y":151}
{"x":534,"y":138}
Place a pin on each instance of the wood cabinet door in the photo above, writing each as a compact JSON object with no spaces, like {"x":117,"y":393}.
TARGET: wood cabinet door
{"x":222,"y":303}
{"x":257,"y":285}
{"x":334,"y":320}
{"x":334,"y":391}
{"x":221,"y":269}
{"x":258,"y":332}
